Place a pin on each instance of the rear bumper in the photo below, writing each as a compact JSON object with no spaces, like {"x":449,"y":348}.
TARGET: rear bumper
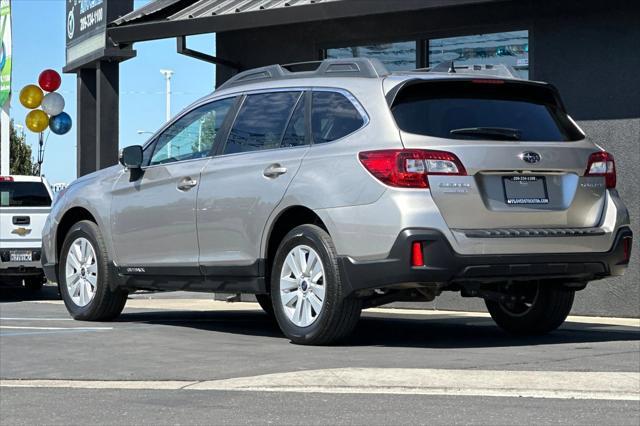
{"x":444,"y":265}
{"x":20,"y":268}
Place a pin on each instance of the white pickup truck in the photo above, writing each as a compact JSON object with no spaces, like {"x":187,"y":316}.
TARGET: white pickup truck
{"x":25,"y":202}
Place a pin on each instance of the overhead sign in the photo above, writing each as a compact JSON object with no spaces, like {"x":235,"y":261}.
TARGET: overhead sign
{"x":5,"y":51}
{"x":84,"y":19}
{"x":86,"y":27}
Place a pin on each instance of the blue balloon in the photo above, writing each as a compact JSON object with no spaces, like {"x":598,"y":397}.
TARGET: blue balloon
{"x":60,"y":124}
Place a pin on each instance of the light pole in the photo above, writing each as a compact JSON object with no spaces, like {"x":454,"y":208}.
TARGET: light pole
{"x":167,"y":77}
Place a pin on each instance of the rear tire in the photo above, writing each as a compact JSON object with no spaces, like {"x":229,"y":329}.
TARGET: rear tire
{"x":34,"y":283}
{"x":316,"y":310}
{"x":544,"y":308}
{"x":85,"y":273}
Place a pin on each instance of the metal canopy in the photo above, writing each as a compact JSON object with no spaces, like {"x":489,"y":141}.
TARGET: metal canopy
{"x":174,"y":18}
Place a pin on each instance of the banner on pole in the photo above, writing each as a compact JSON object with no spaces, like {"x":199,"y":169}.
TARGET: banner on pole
{"x":5,"y":51}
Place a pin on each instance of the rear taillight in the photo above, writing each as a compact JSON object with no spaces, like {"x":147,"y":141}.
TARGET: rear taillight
{"x":602,"y":164}
{"x":6,"y":178}
{"x":409,"y":168}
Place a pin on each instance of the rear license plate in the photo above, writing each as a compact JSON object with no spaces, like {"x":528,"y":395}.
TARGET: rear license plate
{"x":525,"y":189}
{"x":20,"y":256}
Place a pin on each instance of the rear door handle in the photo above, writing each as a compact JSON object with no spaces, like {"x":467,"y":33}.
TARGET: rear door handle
{"x":274,"y":170}
{"x":186,"y":184}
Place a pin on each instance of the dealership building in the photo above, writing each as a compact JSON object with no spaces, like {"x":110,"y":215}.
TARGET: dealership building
{"x":588,"y":49}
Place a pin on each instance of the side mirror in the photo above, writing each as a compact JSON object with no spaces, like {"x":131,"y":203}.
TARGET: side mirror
{"x":131,"y":157}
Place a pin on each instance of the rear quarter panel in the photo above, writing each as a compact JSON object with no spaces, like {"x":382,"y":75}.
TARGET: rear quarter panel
{"x":331,"y":175}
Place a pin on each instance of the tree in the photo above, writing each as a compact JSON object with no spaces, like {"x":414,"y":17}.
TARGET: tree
{"x":19,"y":153}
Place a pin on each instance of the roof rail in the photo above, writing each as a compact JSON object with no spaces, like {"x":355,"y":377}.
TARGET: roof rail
{"x":351,"y":67}
{"x":497,"y":70}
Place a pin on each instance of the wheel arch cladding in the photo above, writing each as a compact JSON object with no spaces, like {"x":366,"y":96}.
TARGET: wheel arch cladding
{"x":71,"y":217}
{"x":287,"y":220}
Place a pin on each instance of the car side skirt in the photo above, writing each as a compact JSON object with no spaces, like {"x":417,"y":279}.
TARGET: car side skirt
{"x":227,"y":279}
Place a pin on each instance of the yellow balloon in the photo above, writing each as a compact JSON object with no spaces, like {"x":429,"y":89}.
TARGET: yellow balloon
{"x":37,"y":120}
{"x":31,"y":96}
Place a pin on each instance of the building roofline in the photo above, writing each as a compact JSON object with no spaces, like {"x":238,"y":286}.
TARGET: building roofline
{"x":174,"y":18}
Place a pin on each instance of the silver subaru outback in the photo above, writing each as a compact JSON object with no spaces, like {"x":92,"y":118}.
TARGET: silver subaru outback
{"x":324,"y":191}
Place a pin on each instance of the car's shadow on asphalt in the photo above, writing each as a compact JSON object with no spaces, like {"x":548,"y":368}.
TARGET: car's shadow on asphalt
{"x":392,"y":331}
{"x":12,"y":294}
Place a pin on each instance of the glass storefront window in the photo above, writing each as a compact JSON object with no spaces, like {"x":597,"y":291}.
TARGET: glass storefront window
{"x":395,"y":56}
{"x":511,"y":48}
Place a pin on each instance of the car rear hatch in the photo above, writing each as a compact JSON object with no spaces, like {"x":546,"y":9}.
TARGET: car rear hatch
{"x":24,"y":206}
{"x":524,"y":158}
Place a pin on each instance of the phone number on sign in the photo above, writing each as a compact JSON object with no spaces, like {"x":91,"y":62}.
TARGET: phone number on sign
{"x":90,"y":19}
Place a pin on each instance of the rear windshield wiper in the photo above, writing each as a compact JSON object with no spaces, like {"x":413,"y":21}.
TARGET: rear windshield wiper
{"x":504,"y":133}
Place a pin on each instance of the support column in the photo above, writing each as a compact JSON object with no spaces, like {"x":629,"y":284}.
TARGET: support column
{"x":86,"y":122}
{"x":107,"y":125}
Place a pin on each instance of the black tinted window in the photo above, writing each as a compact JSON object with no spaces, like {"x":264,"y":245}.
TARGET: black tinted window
{"x":24,"y":194}
{"x":261,"y":122}
{"x":333,"y":116}
{"x":295,"y":135}
{"x":481,"y":110}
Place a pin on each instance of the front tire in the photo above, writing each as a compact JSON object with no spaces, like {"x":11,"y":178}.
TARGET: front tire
{"x":309,"y":300}
{"x":264,"y":300}
{"x":534,"y":310}
{"x":85,"y":273}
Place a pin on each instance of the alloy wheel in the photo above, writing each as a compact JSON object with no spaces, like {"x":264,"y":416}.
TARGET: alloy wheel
{"x":81,"y":272}
{"x":302,"y":286}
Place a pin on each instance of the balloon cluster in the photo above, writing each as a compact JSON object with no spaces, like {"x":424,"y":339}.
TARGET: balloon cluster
{"x":51,"y":113}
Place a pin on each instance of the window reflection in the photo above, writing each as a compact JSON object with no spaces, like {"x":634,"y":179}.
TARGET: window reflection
{"x":395,"y":56}
{"x":510,"y":48}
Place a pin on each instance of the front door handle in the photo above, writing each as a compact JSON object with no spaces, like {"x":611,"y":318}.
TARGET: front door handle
{"x":274,"y":170}
{"x":187,"y":183}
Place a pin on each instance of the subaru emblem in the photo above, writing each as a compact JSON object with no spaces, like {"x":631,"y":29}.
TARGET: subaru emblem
{"x":530,"y":157}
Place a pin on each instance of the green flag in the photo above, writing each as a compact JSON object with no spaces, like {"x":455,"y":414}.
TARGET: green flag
{"x":5,"y":51}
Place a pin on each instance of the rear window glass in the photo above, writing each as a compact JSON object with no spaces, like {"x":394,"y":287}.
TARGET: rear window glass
{"x":471,"y":110}
{"x":24,"y":194}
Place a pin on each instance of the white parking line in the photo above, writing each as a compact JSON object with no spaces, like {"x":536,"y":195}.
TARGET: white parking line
{"x":34,"y":319}
{"x":400,"y":381}
{"x":54,"y":328}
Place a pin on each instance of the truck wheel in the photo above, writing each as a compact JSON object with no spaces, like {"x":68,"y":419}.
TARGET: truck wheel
{"x":85,"y":273}
{"x":264,"y":300}
{"x":537,"y":309}
{"x":307,"y":293}
{"x":34,"y":283}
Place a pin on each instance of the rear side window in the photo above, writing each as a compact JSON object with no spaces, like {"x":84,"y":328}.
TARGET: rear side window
{"x":261,"y":122}
{"x":24,"y":194}
{"x":333,"y":116}
{"x":483,"y":111}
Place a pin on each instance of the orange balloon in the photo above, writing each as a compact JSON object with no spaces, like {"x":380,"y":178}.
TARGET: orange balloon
{"x":31,"y":96}
{"x":37,"y":120}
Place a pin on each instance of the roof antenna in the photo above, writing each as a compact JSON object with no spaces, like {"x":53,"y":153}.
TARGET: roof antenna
{"x":452,"y":68}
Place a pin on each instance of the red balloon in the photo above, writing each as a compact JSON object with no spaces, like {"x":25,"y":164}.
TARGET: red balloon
{"x":49,"y":80}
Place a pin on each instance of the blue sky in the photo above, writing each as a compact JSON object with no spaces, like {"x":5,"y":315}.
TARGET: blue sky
{"x":39,"y":43}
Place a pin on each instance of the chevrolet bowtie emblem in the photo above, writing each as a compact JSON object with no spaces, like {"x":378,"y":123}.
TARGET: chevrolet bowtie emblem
{"x":21,"y":231}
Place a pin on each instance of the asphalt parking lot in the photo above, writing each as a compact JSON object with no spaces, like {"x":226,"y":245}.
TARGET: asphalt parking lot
{"x":179,"y":358}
